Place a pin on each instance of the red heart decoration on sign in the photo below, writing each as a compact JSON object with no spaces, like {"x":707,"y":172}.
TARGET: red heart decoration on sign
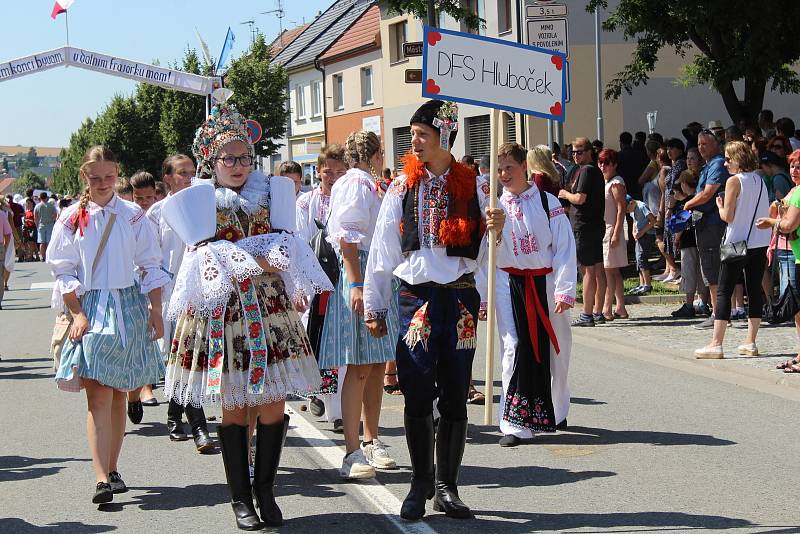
{"x":555,"y":109}
{"x":558,"y":61}
{"x":434,"y":37}
{"x":432,"y":88}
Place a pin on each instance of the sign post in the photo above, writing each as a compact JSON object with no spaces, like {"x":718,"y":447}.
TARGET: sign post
{"x":496,"y":74}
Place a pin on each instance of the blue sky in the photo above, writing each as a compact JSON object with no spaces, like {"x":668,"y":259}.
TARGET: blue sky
{"x":44,"y":108}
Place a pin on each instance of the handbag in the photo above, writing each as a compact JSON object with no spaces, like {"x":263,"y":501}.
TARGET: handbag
{"x":787,"y":306}
{"x":64,"y":318}
{"x":325,"y":253}
{"x":731,"y":252}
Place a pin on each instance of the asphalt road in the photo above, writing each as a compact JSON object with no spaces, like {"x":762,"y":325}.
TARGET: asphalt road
{"x":655,"y":443}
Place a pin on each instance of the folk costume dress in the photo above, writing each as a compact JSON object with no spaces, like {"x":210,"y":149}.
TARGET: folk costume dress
{"x":249,"y":347}
{"x":314,"y":207}
{"x":536,"y":268}
{"x":117,"y":350}
{"x":172,"y":248}
{"x":345,"y":339}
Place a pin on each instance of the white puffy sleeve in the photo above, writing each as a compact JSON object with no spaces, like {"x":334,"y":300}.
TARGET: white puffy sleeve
{"x":564,"y":257}
{"x":349,"y":219}
{"x":64,"y":258}
{"x":147,"y":255}
{"x":385,"y":254}
{"x":303,"y":222}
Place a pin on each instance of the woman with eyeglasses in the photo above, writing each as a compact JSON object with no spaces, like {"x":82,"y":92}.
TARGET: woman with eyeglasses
{"x":745,"y":201}
{"x":244,"y":347}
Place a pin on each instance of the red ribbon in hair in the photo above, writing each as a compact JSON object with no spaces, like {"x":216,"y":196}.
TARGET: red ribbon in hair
{"x":80,"y":219}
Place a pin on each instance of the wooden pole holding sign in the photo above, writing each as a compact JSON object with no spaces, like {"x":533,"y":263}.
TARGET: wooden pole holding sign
{"x":494,"y":126}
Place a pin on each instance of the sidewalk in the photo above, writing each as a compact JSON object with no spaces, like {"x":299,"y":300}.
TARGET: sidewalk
{"x":652,"y":330}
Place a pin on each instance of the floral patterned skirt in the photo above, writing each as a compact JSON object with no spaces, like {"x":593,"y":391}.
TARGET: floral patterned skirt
{"x":229,"y":376}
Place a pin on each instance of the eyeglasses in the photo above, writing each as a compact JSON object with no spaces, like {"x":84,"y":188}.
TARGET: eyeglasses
{"x":578,"y":152}
{"x":230,"y":161}
{"x":727,"y":160}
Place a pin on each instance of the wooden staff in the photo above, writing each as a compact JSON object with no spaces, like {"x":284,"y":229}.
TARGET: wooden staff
{"x":494,"y":124}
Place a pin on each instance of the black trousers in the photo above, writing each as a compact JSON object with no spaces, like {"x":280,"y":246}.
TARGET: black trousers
{"x":441,"y":371}
{"x":730,"y":273}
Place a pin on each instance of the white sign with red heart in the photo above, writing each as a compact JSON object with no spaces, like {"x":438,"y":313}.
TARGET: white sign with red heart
{"x":493,"y":73}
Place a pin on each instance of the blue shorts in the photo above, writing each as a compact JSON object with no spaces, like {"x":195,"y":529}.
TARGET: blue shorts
{"x":45,"y":232}
{"x":644,"y":249}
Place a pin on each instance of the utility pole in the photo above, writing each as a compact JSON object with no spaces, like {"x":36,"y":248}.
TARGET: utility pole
{"x":599,"y":73}
{"x":432,"y":13}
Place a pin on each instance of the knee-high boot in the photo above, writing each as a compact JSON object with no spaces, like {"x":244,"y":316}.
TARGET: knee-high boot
{"x":419,"y":437}
{"x":233,"y":439}
{"x":450,"y":439}
{"x":269,"y":444}
{"x":177,"y":431}
{"x":197,"y":421}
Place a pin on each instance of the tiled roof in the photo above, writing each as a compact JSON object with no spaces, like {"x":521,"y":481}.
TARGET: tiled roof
{"x":5,"y":185}
{"x":321,"y":33}
{"x":286,"y":38}
{"x":363,"y":35}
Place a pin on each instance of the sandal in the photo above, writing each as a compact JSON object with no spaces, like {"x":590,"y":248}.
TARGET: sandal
{"x":391,"y":389}
{"x":609,"y":318}
{"x":620,"y":316}
{"x":475,"y":397}
{"x":792,"y":368}
{"x":789,"y":363}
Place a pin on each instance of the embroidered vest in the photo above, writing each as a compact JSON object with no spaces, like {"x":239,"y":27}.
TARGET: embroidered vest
{"x":461,"y":231}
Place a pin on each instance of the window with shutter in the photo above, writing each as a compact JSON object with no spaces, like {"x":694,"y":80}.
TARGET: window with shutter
{"x":510,"y":123}
{"x":477,"y":136}
{"x":402,"y":144}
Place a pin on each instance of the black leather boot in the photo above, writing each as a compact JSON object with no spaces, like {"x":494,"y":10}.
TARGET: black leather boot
{"x":234,"y":456}
{"x":175,"y":426}
{"x":419,"y":437}
{"x":197,"y":420}
{"x":450,"y":439}
{"x":269,"y":444}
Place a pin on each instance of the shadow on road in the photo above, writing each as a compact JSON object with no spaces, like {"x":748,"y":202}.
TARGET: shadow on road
{"x":514,"y":522}
{"x":586,"y":402}
{"x":523,"y":476}
{"x":24,"y":360}
{"x":20,"y":526}
{"x":581,"y":435}
{"x":14,"y":468}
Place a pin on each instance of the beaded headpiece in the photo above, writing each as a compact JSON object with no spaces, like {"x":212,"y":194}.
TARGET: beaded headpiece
{"x":222,"y":126}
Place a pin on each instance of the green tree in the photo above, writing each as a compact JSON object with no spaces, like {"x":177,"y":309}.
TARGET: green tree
{"x":32,"y":159}
{"x":729,"y":40}
{"x":28,"y":179}
{"x":259,"y":91}
{"x":419,"y":8}
{"x":146,"y":138}
{"x":115,"y":129}
{"x":182,"y":113}
{"x":65,"y":179}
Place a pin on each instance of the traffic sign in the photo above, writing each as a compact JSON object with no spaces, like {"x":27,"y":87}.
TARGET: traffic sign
{"x":546,"y":10}
{"x":412,"y":49}
{"x":549,"y":33}
{"x":413,"y":75}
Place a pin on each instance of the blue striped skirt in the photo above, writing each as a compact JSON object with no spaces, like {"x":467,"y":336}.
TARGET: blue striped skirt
{"x":345,"y":338}
{"x":101,"y":356}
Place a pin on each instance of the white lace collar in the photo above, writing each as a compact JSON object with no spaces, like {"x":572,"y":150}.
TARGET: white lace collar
{"x":253,"y":195}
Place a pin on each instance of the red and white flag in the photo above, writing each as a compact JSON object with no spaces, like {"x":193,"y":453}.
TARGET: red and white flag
{"x":61,"y":6}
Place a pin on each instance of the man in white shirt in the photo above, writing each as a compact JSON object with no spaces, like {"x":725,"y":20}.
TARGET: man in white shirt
{"x":177,"y":173}
{"x":430,"y":235}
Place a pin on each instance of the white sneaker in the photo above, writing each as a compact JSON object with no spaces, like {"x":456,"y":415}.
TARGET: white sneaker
{"x":661,"y":277}
{"x":356,"y":467}
{"x":376,"y":455}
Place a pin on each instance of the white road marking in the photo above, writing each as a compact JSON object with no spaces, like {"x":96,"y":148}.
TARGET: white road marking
{"x":37,"y":286}
{"x":371,"y":490}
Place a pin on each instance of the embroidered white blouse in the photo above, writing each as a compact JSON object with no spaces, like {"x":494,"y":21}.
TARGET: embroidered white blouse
{"x":131,"y":244}
{"x":530,"y":241}
{"x":172,"y":248}
{"x":428,"y":264}
{"x":354,"y":210}
{"x":311,"y":205}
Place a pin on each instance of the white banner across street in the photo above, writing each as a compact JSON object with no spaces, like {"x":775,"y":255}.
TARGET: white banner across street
{"x":112,"y":65}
